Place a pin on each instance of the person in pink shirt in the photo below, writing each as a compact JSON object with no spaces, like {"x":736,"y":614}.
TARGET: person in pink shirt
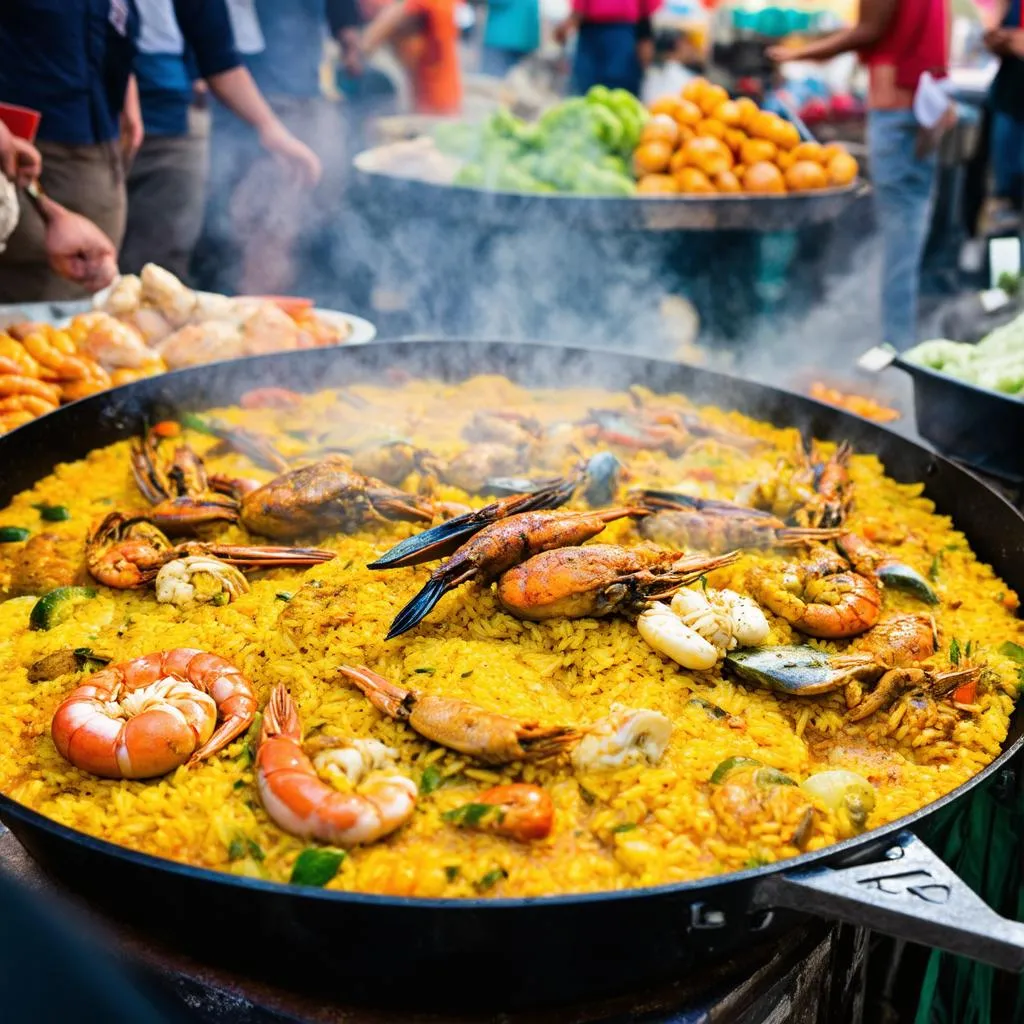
{"x":612,"y":39}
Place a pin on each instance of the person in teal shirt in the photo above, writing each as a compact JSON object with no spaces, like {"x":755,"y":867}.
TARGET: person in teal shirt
{"x":512,"y":33}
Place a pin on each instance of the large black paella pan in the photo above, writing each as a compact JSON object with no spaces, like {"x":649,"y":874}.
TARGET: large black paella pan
{"x":504,"y":951}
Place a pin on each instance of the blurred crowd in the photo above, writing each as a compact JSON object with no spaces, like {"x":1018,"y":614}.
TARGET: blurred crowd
{"x":211,"y":135}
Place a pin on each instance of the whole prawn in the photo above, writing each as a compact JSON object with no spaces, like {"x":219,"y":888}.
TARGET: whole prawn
{"x":299,"y":802}
{"x":146,"y":717}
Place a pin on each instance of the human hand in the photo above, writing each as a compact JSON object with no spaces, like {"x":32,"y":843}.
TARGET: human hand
{"x":20,"y":161}
{"x":276,"y":139}
{"x":780,"y":54}
{"x":77,"y":249}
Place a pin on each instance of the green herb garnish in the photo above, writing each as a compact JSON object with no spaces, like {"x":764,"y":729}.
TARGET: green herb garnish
{"x":13,"y":534}
{"x":492,"y":878}
{"x":88,"y":660}
{"x":252,"y":740}
{"x":431,"y":779}
{"x":316,"y":866}
{"x":236,"y":849}
{"x":933,"y":569}
{"x":954,"y":651}
{"x":588,"y":797}
{"x":425,"y":671}
{"x":626,"y":826}
{"x":468,"y":815}
{"x":194,"y":422}
{"x":466,"y":675}
{"x":1011,"y":650}
{"x":52,"y":513}
{"x":255,"y":850}
{"x":451,"y":872}
{"x":283,"y":595}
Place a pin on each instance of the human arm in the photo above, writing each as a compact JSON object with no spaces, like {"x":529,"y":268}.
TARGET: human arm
{"x":240,"y":94}
{"x":875,"y":17}
{"x":19,"y":159}
{"x":386,"y":25}
{"x":132,"y":130}
{"x":207,"y":30}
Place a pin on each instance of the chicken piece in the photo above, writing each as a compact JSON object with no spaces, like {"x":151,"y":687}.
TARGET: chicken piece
{"x":202,"y":343}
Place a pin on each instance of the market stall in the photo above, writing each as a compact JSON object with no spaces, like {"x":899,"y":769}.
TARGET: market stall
{"x":601,"y":208}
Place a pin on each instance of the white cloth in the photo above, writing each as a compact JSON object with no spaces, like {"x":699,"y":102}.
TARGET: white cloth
{"x":158,"y":28}
{"x":664,"y":80}
{"x":246,"y":26}
{"x":8,"y":210}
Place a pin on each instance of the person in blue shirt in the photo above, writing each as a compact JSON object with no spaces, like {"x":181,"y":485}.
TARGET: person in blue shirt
{"x":167,"y":179}
{"x":512,"y":33}
{"x":72,"y":62}
{"x":256,"y":212}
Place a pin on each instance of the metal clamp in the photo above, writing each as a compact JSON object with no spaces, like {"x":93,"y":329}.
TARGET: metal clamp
{"x":910,"y":895}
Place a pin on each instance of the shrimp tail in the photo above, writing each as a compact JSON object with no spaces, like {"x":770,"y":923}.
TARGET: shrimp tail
{"x":231,"y":727}
{"x":448,"y":577}
{"x":383,"y":695}
{"x":447,"y":537}
{"x":280,"y":716}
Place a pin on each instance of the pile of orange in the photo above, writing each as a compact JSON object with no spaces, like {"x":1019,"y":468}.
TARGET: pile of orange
{"x":703,"y":142}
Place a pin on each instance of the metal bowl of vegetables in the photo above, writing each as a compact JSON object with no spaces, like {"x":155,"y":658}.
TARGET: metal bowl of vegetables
{"x":969,"y":398}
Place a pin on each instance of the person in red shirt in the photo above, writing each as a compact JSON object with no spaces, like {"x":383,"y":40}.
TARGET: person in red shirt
{"x":899,"y":40}
{"x":425,"y":38}
{"x":613,"y":38}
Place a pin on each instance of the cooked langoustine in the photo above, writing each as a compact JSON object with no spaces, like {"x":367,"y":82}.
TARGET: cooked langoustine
{"x":833,"y":491}
{"x":146,"y":717}
{"x":447,"y":537}
{"x":681,"y":520}
{"x":302,"y":804}
{"x":128,"y":553}
{"x":486,"y":735}
{"x":179,"y":490}
{"x":326,"y":495}
{"x":498,"y":547}
{"x":597,"y":580}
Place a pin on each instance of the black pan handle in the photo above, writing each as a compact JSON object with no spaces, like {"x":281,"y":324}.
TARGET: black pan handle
{"x":910,"y":894}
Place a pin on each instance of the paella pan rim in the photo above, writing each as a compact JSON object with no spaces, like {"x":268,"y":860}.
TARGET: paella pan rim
{"x":866,"y":846}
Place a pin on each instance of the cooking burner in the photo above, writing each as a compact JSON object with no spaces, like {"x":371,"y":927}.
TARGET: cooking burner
{"x":814,"y":972}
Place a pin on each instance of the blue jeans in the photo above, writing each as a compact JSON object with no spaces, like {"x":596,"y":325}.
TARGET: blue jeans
{"x":606,"y":55}
{"x":498,"y":62}
{"x":904,"y":192}
{"x":1007,"y":149}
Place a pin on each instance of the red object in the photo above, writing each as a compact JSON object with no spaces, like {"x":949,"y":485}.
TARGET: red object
{"x":814,"y":110}
{"x":966,"y":694}
{"x":290,"y":304}
{"x":615,"y":10}
{"x":21,"y":122}
{"x":915,"y":42}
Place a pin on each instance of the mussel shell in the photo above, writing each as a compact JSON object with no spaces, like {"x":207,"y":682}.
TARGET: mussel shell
{"x":789,"y":668}
{"x":902,"y":577}
{"x":602,"y":479}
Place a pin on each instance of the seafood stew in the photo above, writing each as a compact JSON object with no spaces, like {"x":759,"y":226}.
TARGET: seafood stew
{"x":584,"y":647}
